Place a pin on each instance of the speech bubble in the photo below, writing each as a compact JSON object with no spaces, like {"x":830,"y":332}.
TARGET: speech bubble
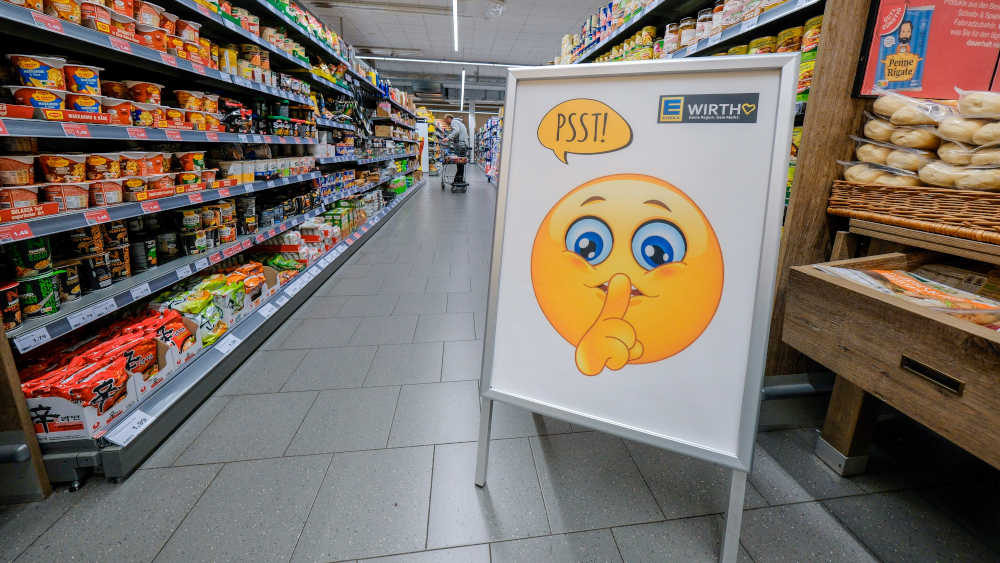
{"x":583,"y":126}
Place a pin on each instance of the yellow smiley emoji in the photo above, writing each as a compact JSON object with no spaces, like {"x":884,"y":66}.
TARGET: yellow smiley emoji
{"x":628,"y":270}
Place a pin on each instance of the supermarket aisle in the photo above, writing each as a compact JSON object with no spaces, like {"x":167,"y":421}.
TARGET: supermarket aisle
{"x":350,"y":435}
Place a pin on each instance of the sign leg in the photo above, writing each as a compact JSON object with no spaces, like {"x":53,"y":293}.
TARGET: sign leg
{"x":483,"y":451}
{"x":734,"y":517}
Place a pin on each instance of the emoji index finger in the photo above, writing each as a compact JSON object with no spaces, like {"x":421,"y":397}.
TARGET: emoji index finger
{"x":618,"y":297}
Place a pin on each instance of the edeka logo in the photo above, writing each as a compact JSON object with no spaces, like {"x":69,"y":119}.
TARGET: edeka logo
{"x":709,"y":108}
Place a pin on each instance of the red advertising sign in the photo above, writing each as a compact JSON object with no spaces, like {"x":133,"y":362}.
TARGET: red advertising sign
{"x":97,"y":216}
{"x":76,"y":130}
{"x":150,"y":206}
{"x":173,"y":134}
{"x":18,"y":231}
{"x":925,"y":48}
{"x":48,"y":22}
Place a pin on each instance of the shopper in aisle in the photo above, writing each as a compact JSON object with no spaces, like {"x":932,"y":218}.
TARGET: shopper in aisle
{"x":459,"y":140}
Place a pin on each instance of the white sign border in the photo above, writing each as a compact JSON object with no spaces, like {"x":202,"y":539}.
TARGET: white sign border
{"x":788,"y":65}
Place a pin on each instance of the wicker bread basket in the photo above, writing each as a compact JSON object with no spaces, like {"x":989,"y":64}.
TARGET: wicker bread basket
{"x":967,"y":214}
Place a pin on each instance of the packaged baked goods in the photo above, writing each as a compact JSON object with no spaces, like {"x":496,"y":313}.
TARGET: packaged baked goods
{"x":960,"y":129}
{"x":866,"y":151}
{"x":915,"y":138}
{"x":942,"y":174}
{"x":988,"y":134}
{"x":985,"y":156}
{"x":867,"y":173}
{"x":979,"y":178}
{"x":978,"y":104}
{"x":954,"y":153}
{"x":908,"y":159}
{"x":878,"y":129}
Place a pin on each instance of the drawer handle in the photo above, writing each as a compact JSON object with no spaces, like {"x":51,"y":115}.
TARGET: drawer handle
{"x":941,"y":379}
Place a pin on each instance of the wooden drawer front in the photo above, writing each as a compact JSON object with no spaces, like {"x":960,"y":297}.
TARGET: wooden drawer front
{"x":942,"y":372}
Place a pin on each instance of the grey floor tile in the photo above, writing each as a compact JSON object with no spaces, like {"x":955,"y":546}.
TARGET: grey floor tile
{"x":332,"y":368}
{"x":397,"y":329}
{"x":368,"y":306}
{"x":321,"y":333}
{"x":794,"y":459}
{"x":590,"y":481}
{"x":320,"y":307}
{"x":404,"y":285}
{"x":509,"y":506}
{"x":266,"y":371}
{"x":514,"y":422}
{"x":597,"y":546}
{"x":398,"y":364}
{"x":250,"y":427}
{"x":353,"y":270}
{"x":277,"y":339}
{"x":346,"y":420}
{"x":448,"y":283}
{"x":436,"y":413}
{"x":171,"y":448}
{"x":903,"y":526}
{"x":253,"y":510}
{"x":463,"y":360}
{"x":21,"y":524}
{"x":799,"y":532}
{"x":448,"y":326}
{"x":125,"y":522}
{"x":467,"y":302}
{"x":685,"y":486}
{"x":421,"y":303}
{"x":688,"y":539}
{"x":371,"y":504}
{"x":468,"y":554}
{"x":367,"y":285}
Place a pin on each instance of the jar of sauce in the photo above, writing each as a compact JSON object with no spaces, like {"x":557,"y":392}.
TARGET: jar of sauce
{"x":688,"y":32}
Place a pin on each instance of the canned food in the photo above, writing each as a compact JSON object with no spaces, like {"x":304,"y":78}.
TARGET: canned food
{"x":211,"y":238}
{"x":194,"y":242}
{"x":119,"y":263}
{"x":69,"y":280}
{"x":39,"y":295}
{"x":143,"y":254}
{"x":227,"y":211}
{"x":115,"y":233}
{"x":94,"y":272}
{"x":30,"y":257}
{"x":211,"y":216}
{"x":86,"y":241}
{"x":189,"y":220}
{"x":166,"y":247}
{"x":227,"y":233}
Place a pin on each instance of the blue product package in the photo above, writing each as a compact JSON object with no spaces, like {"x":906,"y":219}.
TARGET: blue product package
{"x":902,"y":51}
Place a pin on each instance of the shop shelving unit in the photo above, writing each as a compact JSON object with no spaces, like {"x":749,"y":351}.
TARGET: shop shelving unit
{"x":138,"y":431}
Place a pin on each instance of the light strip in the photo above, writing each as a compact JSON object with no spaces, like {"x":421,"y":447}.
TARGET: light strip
{"x":454,"y":20}
{"x":461,"y":99}
{"x":436,"y":61}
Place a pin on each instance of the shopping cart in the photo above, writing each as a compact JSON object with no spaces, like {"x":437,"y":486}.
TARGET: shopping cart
{"x":449,"y":168}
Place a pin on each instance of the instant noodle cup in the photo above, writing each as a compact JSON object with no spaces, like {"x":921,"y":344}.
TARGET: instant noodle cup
{"x":132,"y":163}
{"x":173,"y":115}
{"x":168,"y":22}
{"x":114,"y":89}
{"x":147,"y":13}
{"x":68,"y":272}
{"x":211,"y":103}
{"x":118,"y":107}
{"x":154,"y":163}
{"x":133,"y":185}
{"x":208,"y":176}
{"x":192,"y":48}
{"x":160,"y":181}
{"x":59,"y":168}
{"x":29,"y":257}
{"x":93,"y":13}
{"x":151,"y":36}
{"x":44,"y":72}
{"x":105,"y":165}
{"x":106,"y":192}
{"x":39,"y":295}
{"x":205,"y":48}
{"x":35,"y":5}
{"x":190,"y":99}
{"x":188,"y":30}
{"x":68,"y":10}
{"x":43,"y":98}
{"x":146,"y":92}
{"x":146,"y":115}
{"x":213,"y":121}
{"x":18,"y":196}
{"x":188,"y":178}
{"x":69,"y":196}
{"x":87,"y":103}
{"x":11,"y":306}
{"x":196,"y":119}
{"x":122,"y":24}
{"x":190,"y":160}
{"x":175,"y":44}
{"x":17,"y":170}
{"x":123,"y":7}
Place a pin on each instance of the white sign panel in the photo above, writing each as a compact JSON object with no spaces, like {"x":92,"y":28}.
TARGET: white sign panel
{"x":638,"y":223}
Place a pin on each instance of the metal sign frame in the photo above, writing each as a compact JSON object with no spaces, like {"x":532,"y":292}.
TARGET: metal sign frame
{"x":787,"y":66}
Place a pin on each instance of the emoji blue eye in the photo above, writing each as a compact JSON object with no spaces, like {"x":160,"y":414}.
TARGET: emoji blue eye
{"x":656,"y":243}
{"x":590,"y":238}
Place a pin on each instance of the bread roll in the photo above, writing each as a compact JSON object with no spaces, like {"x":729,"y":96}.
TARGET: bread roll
{"x":983,"y":104}
{"x":979,"y":179}
{"x":862,"y":174}
{"x":888,"y":104}
{"x":907,"y":160}
{"x":911,"y":115}
{"x":954,"y":153}
{"x":940,"y":174}
{"x":985,"y":157}
{"x":915,"y":138}
{"x":987,"y":134}
{"x":872,"y":153}
{"x":879,"y":130}
{"x":959,"y":129}
{"x":887,"y":179}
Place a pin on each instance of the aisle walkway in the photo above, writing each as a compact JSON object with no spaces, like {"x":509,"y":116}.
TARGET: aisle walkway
{"x":350,"y":435}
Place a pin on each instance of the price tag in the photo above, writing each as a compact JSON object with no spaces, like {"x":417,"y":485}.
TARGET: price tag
{"x":228,"y":344}
{"x":228,"y":252}
{"x":215,"y":258}
{"x":267,"y":139}
{"x":232,"y":26}
{"x":204,"y":10}
{"x":136,"y":132}
{"x":715,"y":39}
{"x":260,"y":238}
{"x":119,"y":44}
{"x":32,"y":340}
{"x":80,"y":318}
{"x":150,"y":206}
{"x":309,"y":275}
{"x":223,"y":192}
{"x":76,"y":130}
{"x":272,"y":233}
{"x":243,"y":138}
{"x":225,"y":77}
{"x":126,"y":430}
{"x":140,"y":292}
{"x":246,"y":244}
{"x":198,"y":68}
{"x":212,"y":136}
{"x":105,"y":307}
{"x":3,"y":128}
{"x":183,"y":272}
{"x":266,"y":310}
{"x":48,"y":22}
{"x":281,"y":300}
{"x":96,"y":217}
{"x":271,"y":183}
{"x":283,"y":141}
{"x":749,"y":24}
{"x":803,"y":3}
{"x":168,"y":60}
{"x":293,"y":287}
{"x":195,"y":198}
{"x":173,"y":134}
{"x":201,"y":264}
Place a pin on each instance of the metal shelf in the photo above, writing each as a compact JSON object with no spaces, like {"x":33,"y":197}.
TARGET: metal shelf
{"x":167,"y":407}
{"x":393,"y":121}
{"x":623,"y":31}
{"x":62,"y":129}
{"x":331,"y":124}
{"x":401,"y":108}
{"x":51,"y":224}
{"x":331,"y":86}
{"x":36,"y":26}
{"x":384,"y":158}
{"x":335,"y":159}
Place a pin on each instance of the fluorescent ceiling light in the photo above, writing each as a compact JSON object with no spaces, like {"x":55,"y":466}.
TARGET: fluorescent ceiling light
{"x":461,"y":99}
{"x":436,"y":61}
{"x":454,"y":21}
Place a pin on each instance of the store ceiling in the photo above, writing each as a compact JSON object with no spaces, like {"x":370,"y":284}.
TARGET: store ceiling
{"x":527,"y":32}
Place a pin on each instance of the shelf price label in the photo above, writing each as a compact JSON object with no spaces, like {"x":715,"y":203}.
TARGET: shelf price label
{"x":169,"y":60}
{"x":243,"y":138}
{"x":136,"y":132}
{"x":268,"y":140}
{"x":223,"y":192}
{"x":215,"y":258}
{"x":97,"y":217}
{"x":749,"y":24}
{"x":281,"y":300}
{"x":259,"y":238}
{"x":266,"y":310}
{"x":48,"y":22}
{"x":183,"y":272}
{"x":150,"y":206}
{"x":126,"y":430}
{"x":195,"y":198}
{"x":212,"y":136}
{"x":76,"y":130}
{"x":119,"y":44}
{"x":197,"y":67}
{"x":228,"y":344}
{"x":17,"y":231}
{"x":201,"y":264}
{"x":173,"y":134}
{"x":715,"y":39}
{"x":139,"y":292}
{"x":32,"y":340}
{"x":271,"y":183}
{"x":246,"y":244}
{"x":80,"y":318}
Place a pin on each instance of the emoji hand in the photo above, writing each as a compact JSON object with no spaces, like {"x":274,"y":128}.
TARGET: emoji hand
{"x":610,"y":341}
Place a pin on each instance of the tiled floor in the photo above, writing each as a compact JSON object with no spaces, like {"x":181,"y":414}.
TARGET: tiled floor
{"x":350,"y":435}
